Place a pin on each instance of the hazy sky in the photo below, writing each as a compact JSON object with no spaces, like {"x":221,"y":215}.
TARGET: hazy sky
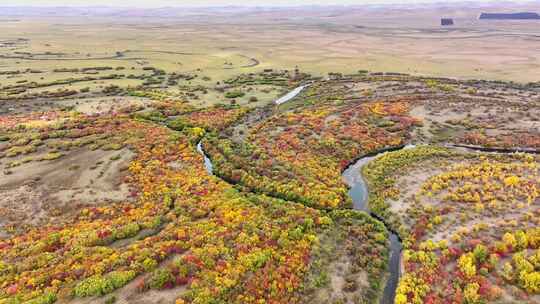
{"x":158,"y":3}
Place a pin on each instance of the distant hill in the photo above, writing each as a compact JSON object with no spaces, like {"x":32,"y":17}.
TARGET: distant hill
{"x":510,"y":16}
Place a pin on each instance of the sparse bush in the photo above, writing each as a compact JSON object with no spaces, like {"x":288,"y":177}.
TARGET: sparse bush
{"x":161,"y":278}
{"x":111,"y":300}
{"x":234,"y":94}
{"x":98,"y":285}
{"x":47,"y":298}
{"x":127,"y":231}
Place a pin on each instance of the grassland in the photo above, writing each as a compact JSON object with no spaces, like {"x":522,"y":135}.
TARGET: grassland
{"x":104,"y":197}
{"x":472,"y":214}
{"x":60,"y":49}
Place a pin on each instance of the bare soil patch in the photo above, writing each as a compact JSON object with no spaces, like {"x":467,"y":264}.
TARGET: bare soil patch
{"x":47,"y":191}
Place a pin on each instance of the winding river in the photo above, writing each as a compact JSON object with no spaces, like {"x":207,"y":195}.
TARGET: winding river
{"x":358,"y":192}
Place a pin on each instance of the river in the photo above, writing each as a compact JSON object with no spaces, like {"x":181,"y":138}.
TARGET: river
{"x":207,"y":162}
{"x":358,"y":192}
{"x":292,"y":94}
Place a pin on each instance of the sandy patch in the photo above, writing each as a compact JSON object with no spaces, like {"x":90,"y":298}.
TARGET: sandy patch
{"x":40,"y":192}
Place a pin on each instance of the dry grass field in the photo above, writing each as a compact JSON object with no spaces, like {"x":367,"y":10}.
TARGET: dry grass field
{"x":223,"y":43}
{"x":61,"y":52}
